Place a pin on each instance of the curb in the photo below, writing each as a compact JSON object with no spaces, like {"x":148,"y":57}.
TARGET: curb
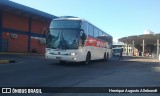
{"x":7,"y":61}
{"x":33,"y":54}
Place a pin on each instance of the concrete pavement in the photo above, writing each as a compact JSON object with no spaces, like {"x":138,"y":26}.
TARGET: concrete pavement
{"x":4,"y":60}
{"x":36,"y":71}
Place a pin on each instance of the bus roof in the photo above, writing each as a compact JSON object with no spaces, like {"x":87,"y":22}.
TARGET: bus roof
{"x":76,"y":18}
{"x":67,"y":18}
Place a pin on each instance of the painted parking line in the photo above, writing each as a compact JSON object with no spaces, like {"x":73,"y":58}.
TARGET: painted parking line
{"x":7,"y":61}
{"x":4,"y":61}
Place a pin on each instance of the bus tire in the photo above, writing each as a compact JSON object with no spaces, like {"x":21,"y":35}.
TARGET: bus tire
{"x":105,"y":57}
{"x":88,"y":58}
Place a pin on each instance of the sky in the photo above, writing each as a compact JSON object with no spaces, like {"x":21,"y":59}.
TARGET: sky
{"x":119,"y":18}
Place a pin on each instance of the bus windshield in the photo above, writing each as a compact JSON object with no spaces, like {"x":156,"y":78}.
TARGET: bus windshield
{"x":63,"y":39}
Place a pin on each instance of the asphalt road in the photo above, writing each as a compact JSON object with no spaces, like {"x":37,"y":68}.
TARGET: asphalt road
{"x":36,"y":71}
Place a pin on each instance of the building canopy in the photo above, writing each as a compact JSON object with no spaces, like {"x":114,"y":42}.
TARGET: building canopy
{"x":138,"y":39}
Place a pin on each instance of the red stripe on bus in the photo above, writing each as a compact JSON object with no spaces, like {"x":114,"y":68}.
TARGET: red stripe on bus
{"x":95,"y":42}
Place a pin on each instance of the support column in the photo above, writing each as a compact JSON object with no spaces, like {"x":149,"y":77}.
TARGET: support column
{"x":127,"y":48}
{"x":133,"y":47}
{"x":143,"y":47}
{"x":1,"y":26}
{"x":157,"y":47}
{"x":29,"y":34}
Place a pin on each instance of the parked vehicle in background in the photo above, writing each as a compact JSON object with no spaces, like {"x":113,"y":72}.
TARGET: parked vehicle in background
{"x":76,"y":40}
{"x":117,"y":51}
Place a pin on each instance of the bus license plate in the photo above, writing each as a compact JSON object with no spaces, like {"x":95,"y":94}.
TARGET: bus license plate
{"x":58,"y":58}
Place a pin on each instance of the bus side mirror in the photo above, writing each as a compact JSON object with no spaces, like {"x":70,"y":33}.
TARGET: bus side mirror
{"x":81,"y":33}
{"x":83,"y":37}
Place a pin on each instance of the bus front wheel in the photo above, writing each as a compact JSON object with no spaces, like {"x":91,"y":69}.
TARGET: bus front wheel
{"x":88,"y":58}
{"x":105,"y":58}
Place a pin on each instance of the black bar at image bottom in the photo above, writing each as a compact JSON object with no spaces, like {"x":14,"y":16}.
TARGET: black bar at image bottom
{"x":80,"y":89}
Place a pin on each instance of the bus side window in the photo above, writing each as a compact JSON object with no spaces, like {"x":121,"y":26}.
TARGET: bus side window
{"x":90,"y":30}
{"x":96,"y":34}
{"x":84,"y":27}
{"x":100,"y":33}
{"x":110,"y":46}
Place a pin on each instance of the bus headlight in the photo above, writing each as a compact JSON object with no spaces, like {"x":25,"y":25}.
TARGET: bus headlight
{"x":73,"y":54}
{"x":47,"y":52}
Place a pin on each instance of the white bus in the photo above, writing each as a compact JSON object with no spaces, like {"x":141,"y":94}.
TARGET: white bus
{"x":117,"y":51}
{"x":77,"y":40}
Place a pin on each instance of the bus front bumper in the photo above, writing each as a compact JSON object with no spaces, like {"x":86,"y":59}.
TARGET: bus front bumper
{"x":69,"y":58}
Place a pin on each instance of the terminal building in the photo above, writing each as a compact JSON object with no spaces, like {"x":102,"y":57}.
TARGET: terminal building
{"x":22,"y":29}
{"x":146,"y":44}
